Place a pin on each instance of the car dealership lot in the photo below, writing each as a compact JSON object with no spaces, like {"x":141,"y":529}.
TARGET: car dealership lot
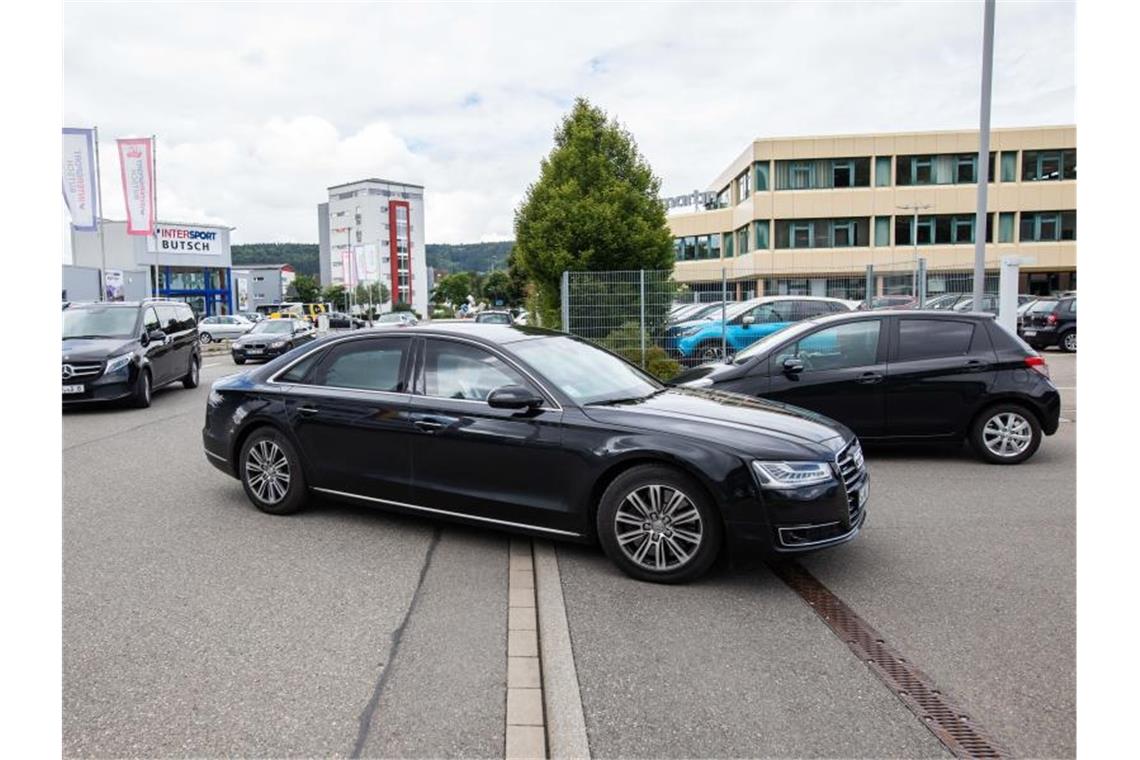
{"x":196,"y":625}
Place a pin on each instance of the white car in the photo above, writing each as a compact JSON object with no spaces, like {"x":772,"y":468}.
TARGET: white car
{"x":225,"y":327}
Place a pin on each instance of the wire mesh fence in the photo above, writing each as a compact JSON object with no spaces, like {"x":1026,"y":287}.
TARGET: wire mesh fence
{"x":663,"y":325}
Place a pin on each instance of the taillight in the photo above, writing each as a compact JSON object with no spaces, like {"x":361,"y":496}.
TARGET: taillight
{"x":1051,"y":319}
{"x":1037,"y":363}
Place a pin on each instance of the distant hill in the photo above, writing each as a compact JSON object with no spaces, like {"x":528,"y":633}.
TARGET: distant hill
{"x":462,"y":257}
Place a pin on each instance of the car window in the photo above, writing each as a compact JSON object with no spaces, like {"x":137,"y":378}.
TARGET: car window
{"x":1073,"y":306}
{"x":150,"y":320}
{"x":809,"y":309}
{"x":852,"y":344}
{"x":764,"y":313}
{"x":930,"y":338}
{"x":297,"y":372}
{"x":210,"y":321}
{"x":168,"y":318}
{"x":462,"y":371}
{"x":186,"y":319}
{"x":370,"y":365}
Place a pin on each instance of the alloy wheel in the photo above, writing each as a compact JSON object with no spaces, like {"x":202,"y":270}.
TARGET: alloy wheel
{"x":267,"y":471}
{"x":204,"y":338}
{"x":710,"y":354}
{"x":658,"y":527}
{"x":1007,"y":434}
{"x":1071,"y":341}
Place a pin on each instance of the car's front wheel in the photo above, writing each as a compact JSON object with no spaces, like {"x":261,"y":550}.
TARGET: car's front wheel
{"x":1006,"y":434}
{"x":140,"y":396}
{"x":271,"y":473}
{"x":190,"y":379}
{"x":657,"y":524}
{"x":205,"y":338}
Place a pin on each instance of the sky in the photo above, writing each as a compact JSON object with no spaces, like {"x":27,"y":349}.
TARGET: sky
{"x":259,"y":108}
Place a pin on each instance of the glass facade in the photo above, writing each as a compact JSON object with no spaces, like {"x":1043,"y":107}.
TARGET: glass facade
{"x":825,"y":173}
{"x":1043,"y":226}
{"x":760,"y":169}
{"x":206,"y":289}
{"x":882,"y":171}
{"x":938,"y":229}
{"x":941,"y":169}
{"x":822,"y":233}
{"x":1047,"y":165}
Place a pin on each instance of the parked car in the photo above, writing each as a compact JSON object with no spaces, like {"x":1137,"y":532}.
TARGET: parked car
{"x":339,"y":319}
{"x":520,"y":316}
{"x":990,"y":303}
{"x":223,"y":327}
{"x":401,"y":318}
{"x":904,"y":375}
{"x":270,"y":338}
{"x":1051,"y":322}
{"x":747,"y":322}
{"x":124,"y":350}
{"x":889,"y":302}
{"x":252,"y":316}
{"x":692,"y":312}
{"x":594,"y":448}
{"x":944,"y":301}
{"x":494,"y":318}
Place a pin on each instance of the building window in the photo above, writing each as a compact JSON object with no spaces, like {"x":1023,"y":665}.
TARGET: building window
{"x":743,"y":188}
{"x":714,"y":246}
{"x":1047,"y":165}
{"x":940,"y":229}
{"x":722,"y":198}
{"x":1005,"y":220}
{"x":801,"y":175}
{"x":690,"y":248}
{"x":742,"y":240}
{"x":800,"y":235}
{"x":823,"y":173}
{"x":1044,"y":226}
{"x":842,"y":234}
{"x":761,"y":234}
{"x":842,"y":174}
{"x":728,"y":245}
{"x":823,"y":233}
{"x":1009,"y":166}
{"x":882,"y":171}
{"x":964,"y":171}
{"x":761,"y":170}
{"x":702,"y":246}
{"x":882,"y":230}
{"x":962,"y":230}
{"x":944,"y":169}
{"x":678,"y":249}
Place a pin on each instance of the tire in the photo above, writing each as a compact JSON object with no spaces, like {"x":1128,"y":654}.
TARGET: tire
{"x":283,"y":491}
{"x":140,"y":396}
{"x":205,"y":338}
{"x":987,"y":434}
{"x":1068,"y":341}
{"x":190,"y":381}
{"x":239,"y":360}
{"x":661,"y":552}
{"x":709,"y":351}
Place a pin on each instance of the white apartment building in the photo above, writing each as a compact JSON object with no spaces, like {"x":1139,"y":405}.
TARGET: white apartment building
{"x":372,"y":230}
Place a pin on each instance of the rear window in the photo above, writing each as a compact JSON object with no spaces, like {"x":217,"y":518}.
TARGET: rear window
{"x":930,"y":338}
{"x":1043,"y":306}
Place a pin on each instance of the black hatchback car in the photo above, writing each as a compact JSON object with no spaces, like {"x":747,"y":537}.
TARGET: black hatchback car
{"x":540,"y":432}
{"x":124,"y":350}
{"x":904,"y":375}
{"x":1051,"y":322}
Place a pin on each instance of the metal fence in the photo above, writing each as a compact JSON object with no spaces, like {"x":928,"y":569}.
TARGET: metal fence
{"x":650,"y":319}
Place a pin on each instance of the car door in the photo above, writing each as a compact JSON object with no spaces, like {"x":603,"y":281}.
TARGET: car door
{"x":170,"y":359}
{"x":751,"y":326}
{"x":844,"y":366}
{"x":498,"y":465}
{"x":939,"y":371}
{"x":351,"y":412}
{"x":157,"y":351}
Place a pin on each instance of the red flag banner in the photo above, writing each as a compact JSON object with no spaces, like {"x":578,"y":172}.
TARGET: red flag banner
{"x":136,"y":164}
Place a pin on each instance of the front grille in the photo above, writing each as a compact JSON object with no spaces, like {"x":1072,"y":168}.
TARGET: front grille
{"x":254,"y":346}
{"x":81,"y":371}
{"x":853,"y":470}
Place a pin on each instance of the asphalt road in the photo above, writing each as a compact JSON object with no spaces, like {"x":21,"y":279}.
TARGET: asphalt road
{"x":195,"y":625}
{"x":967,"y":568}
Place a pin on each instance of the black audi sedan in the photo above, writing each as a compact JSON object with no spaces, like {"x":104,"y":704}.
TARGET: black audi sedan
{"x":270,"y":338}
{"x":904,"y":376}
{"x":540,"y":432}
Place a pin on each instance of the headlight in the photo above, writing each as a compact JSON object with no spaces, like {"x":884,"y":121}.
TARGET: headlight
{"x":277,"y":344}
{"x":118,"y":363}
{"x":792,"y":474}
{"x":215,"y":398}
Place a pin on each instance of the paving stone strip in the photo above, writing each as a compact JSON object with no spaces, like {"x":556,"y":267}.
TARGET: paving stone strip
{"x":526,"y":727}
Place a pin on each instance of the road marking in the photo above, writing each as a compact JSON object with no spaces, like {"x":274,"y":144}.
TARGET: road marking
{"x":212,"y":364}
{"x":525,"y":730}
{"x":565,"y":721}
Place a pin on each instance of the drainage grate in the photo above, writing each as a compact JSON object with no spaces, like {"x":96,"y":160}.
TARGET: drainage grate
{"x":956,"y":730}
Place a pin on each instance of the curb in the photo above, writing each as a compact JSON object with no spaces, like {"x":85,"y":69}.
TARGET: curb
{"x":565,"y":721}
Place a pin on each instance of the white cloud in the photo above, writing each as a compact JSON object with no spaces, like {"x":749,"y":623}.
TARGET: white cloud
{"x":258,"y":108}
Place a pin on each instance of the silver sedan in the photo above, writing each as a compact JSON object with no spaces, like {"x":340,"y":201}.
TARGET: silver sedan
{"x":223,"y":328}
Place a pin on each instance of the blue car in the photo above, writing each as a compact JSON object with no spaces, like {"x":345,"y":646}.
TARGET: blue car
{"x":747,"y":322}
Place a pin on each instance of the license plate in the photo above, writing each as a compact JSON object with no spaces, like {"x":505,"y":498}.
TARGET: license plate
{"x":255,"y":351}
{"x":1029,"y":332}
{"x":73,"y":389}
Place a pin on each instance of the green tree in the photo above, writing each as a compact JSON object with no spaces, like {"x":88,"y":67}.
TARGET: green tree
{"x":335,"y":294}
{"x":376,"y":293}
{"x":595,"y":206}
{"x":500,"y":289}
{"x":306,"y":289}
{"x":455,"y":288}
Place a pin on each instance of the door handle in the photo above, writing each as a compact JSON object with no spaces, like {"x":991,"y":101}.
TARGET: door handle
{"x":869,"y":378}
{"x":307,"y":411}
{"x":975,"y":365}
{"x":428,"y":426}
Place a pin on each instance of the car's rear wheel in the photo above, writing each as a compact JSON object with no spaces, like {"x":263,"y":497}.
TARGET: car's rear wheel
{"x":657,"y":524}
{"x":140,"y":397}
{"x":191,"y":378}
{"x":1006,"y":434}
{"x":271,"y":473}
{"x":709,"y":351}
{"x":1068,"y":342}
{"x":205,"y":338}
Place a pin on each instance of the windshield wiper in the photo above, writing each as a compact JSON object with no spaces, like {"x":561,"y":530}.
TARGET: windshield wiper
{"x":626,"y":400}
{"x":68,"y":337}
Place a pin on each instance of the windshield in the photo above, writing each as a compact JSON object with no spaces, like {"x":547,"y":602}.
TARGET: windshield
{"x":273,"y":326}
{"x":391,"y":317}
{"x":585,"y":373}
{"x":99,"y":322}
{"x":773,"y":339}
{"x":495,"y":319}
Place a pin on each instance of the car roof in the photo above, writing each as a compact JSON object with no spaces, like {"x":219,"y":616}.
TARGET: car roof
{"x":485,"y":331}
{"x":847,"y":316}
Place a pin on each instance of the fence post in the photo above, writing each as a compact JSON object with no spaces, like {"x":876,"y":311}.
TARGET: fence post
{"x":920,"y":286}
{"x":566,"y":301}
{"x":870,"y":284}
{"x":641,"y":274}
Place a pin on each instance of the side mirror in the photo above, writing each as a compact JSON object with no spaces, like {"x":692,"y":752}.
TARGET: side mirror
{"x":793,"y":366}
{"x":158,"y":336}
{"x":749,"y":320}
{"x":513,"y":397}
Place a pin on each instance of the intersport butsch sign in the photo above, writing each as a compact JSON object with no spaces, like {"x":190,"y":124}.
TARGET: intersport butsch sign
{"x":180,"y":239}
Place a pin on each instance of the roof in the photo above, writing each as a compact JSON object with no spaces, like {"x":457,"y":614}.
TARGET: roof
{"x":377,"y":181}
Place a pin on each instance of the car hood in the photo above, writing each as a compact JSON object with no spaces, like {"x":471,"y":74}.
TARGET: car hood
{"x":261,"y":337}
{"x":705,"y":322}
{"x":753,"y":426}
{"x":95,"y":349}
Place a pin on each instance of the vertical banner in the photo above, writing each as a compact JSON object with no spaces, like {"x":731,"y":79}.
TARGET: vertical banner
{"x":135,"y":162}
{"x":371,"y":264}
{"x":113,"y":285}
{"x":360,"y":265}
{"x":349,"y":267}
{"x":79,"y":178}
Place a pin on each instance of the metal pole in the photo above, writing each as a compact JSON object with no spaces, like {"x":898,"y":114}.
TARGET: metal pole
{"x":641,"y":274}
{"x":723,"y":313}
{"x":921,"y":289}
{"x":869,"y":284}
{"x":154,"y":205}
{"x":99,"y":219}
{"x":914,"y":277}
{"x":565,"y":301}
{"x":983,"y":155}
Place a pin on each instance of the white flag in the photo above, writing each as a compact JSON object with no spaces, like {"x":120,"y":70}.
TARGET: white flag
{"x":79,"y":177}
{"x":138,"y":184}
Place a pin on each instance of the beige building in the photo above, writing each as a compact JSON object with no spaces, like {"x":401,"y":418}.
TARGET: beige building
{"x":808,"y":215}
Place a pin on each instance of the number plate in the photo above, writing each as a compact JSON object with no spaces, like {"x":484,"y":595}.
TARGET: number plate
{"x":1029,"y":332}
{"x":73,"y":389}
{"x":254,"y":351}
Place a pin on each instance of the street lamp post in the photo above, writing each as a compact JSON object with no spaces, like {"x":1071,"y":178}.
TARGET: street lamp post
{"x":915,"y":207}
